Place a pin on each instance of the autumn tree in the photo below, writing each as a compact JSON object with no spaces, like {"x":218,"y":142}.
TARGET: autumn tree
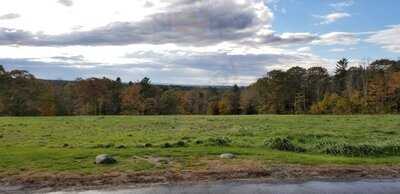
{"x":213,"y":107}
{"x":195,"y":102}
{"x":132,"y":101}
{"x":248,"y":101}
{"x":169,"y":103}
{"x":93,"y":96}
{"x":394,"y":92}
{"x":150,"y":95}
{"x":372,"y":88}
{"x":318,"y":83}
{"x":47,"y":100}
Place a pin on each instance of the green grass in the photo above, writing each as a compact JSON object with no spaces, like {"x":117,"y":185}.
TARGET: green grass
{"x":37,"y":143}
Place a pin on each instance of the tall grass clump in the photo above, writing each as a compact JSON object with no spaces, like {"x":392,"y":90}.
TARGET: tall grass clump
{"x":219,"y":141}
{"x":283,"y":144}
{"x":364,"y":150}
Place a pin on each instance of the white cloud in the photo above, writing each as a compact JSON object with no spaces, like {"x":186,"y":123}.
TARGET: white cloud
{"x":388,"y":38}
{"x":342,"y":5}
{"x":171,"y":41}
{"x":9,"y":16}
{"x":304,"y":49}
{"x":223,"y":64}
{"x":339,"y":50}
{"x":67,"y":3}
{"x":333,"y":17}
{"x":50,"y":17}
{"x":179,"y":22}
{"x":337,"y":38}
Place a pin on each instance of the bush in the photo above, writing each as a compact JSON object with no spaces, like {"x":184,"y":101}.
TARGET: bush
{"x":219,"y":141}
{"x":121,"y":146}
{"x":166,"y":145}
{"x":199,"y":141}
{"x":283,"y":144}
{"x":176,"y":144}
{"x":363,"y":150}
{"x":179,"y":144}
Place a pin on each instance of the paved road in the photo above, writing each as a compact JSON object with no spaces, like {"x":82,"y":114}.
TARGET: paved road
{"x":313,"y":187}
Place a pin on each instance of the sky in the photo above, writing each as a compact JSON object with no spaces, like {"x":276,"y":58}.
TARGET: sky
{"x":192,"y":42}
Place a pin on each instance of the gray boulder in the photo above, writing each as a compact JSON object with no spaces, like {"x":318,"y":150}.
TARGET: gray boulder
{"x":105,"y":159}
{"x":227,"y":156}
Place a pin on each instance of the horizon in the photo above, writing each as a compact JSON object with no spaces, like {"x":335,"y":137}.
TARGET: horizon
{"x":329,"y":73}
{"x":192,"y":43}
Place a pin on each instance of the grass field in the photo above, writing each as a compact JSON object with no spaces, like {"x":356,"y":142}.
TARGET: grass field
{"x":69,"y":144}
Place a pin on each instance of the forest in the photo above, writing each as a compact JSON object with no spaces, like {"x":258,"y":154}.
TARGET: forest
{"x":370,"y":89}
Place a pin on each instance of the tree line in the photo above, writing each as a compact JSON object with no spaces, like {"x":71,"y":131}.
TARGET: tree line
{"x":373,"y":89}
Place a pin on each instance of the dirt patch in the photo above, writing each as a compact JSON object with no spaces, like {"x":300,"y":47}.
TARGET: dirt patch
{"x":214,"y":170}
{"x":157,"y":161}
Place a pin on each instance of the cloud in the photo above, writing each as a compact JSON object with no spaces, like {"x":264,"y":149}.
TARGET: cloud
{"x":332,"y":17}
{"x":337,"y":38}
{"x":304,"y":49}
{"x":173,"y":66}
{"x":332,"y":38}
{"x":389,"y":38}
{"x":67,"y":3}
{"x":342,"y":5}
{"x":288,"y":38}
{"x":338,"y":50}
{"x":185,"y":22}
{"x":148,"y":4}
{"x":69,"y":59}
{"x":226,"y":68}
{"x":9,"y":16}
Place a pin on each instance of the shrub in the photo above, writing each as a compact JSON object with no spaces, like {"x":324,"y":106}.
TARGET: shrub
{"x":363,"y":150}
{"x":283,"y":144}
{"x":199,"y":141}
{"x":121,"y":146}
{"x":219,"y":141}
{"x":176,"y":144}
{"x":179,"y":144}
{"x":166,"y":145}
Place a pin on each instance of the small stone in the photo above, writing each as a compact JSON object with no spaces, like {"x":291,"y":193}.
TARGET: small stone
{"x":227,"y":156}
{"x":105,"y":159}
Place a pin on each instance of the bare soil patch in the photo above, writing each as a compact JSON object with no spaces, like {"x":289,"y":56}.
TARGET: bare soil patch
{"x":213,"y":170}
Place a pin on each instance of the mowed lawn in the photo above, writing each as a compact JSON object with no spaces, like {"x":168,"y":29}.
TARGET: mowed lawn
{"x":70,"y":144}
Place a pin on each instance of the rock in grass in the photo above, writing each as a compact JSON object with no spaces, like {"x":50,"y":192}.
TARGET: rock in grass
{"x":227,"y":156}
{"x":105,"y":159}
